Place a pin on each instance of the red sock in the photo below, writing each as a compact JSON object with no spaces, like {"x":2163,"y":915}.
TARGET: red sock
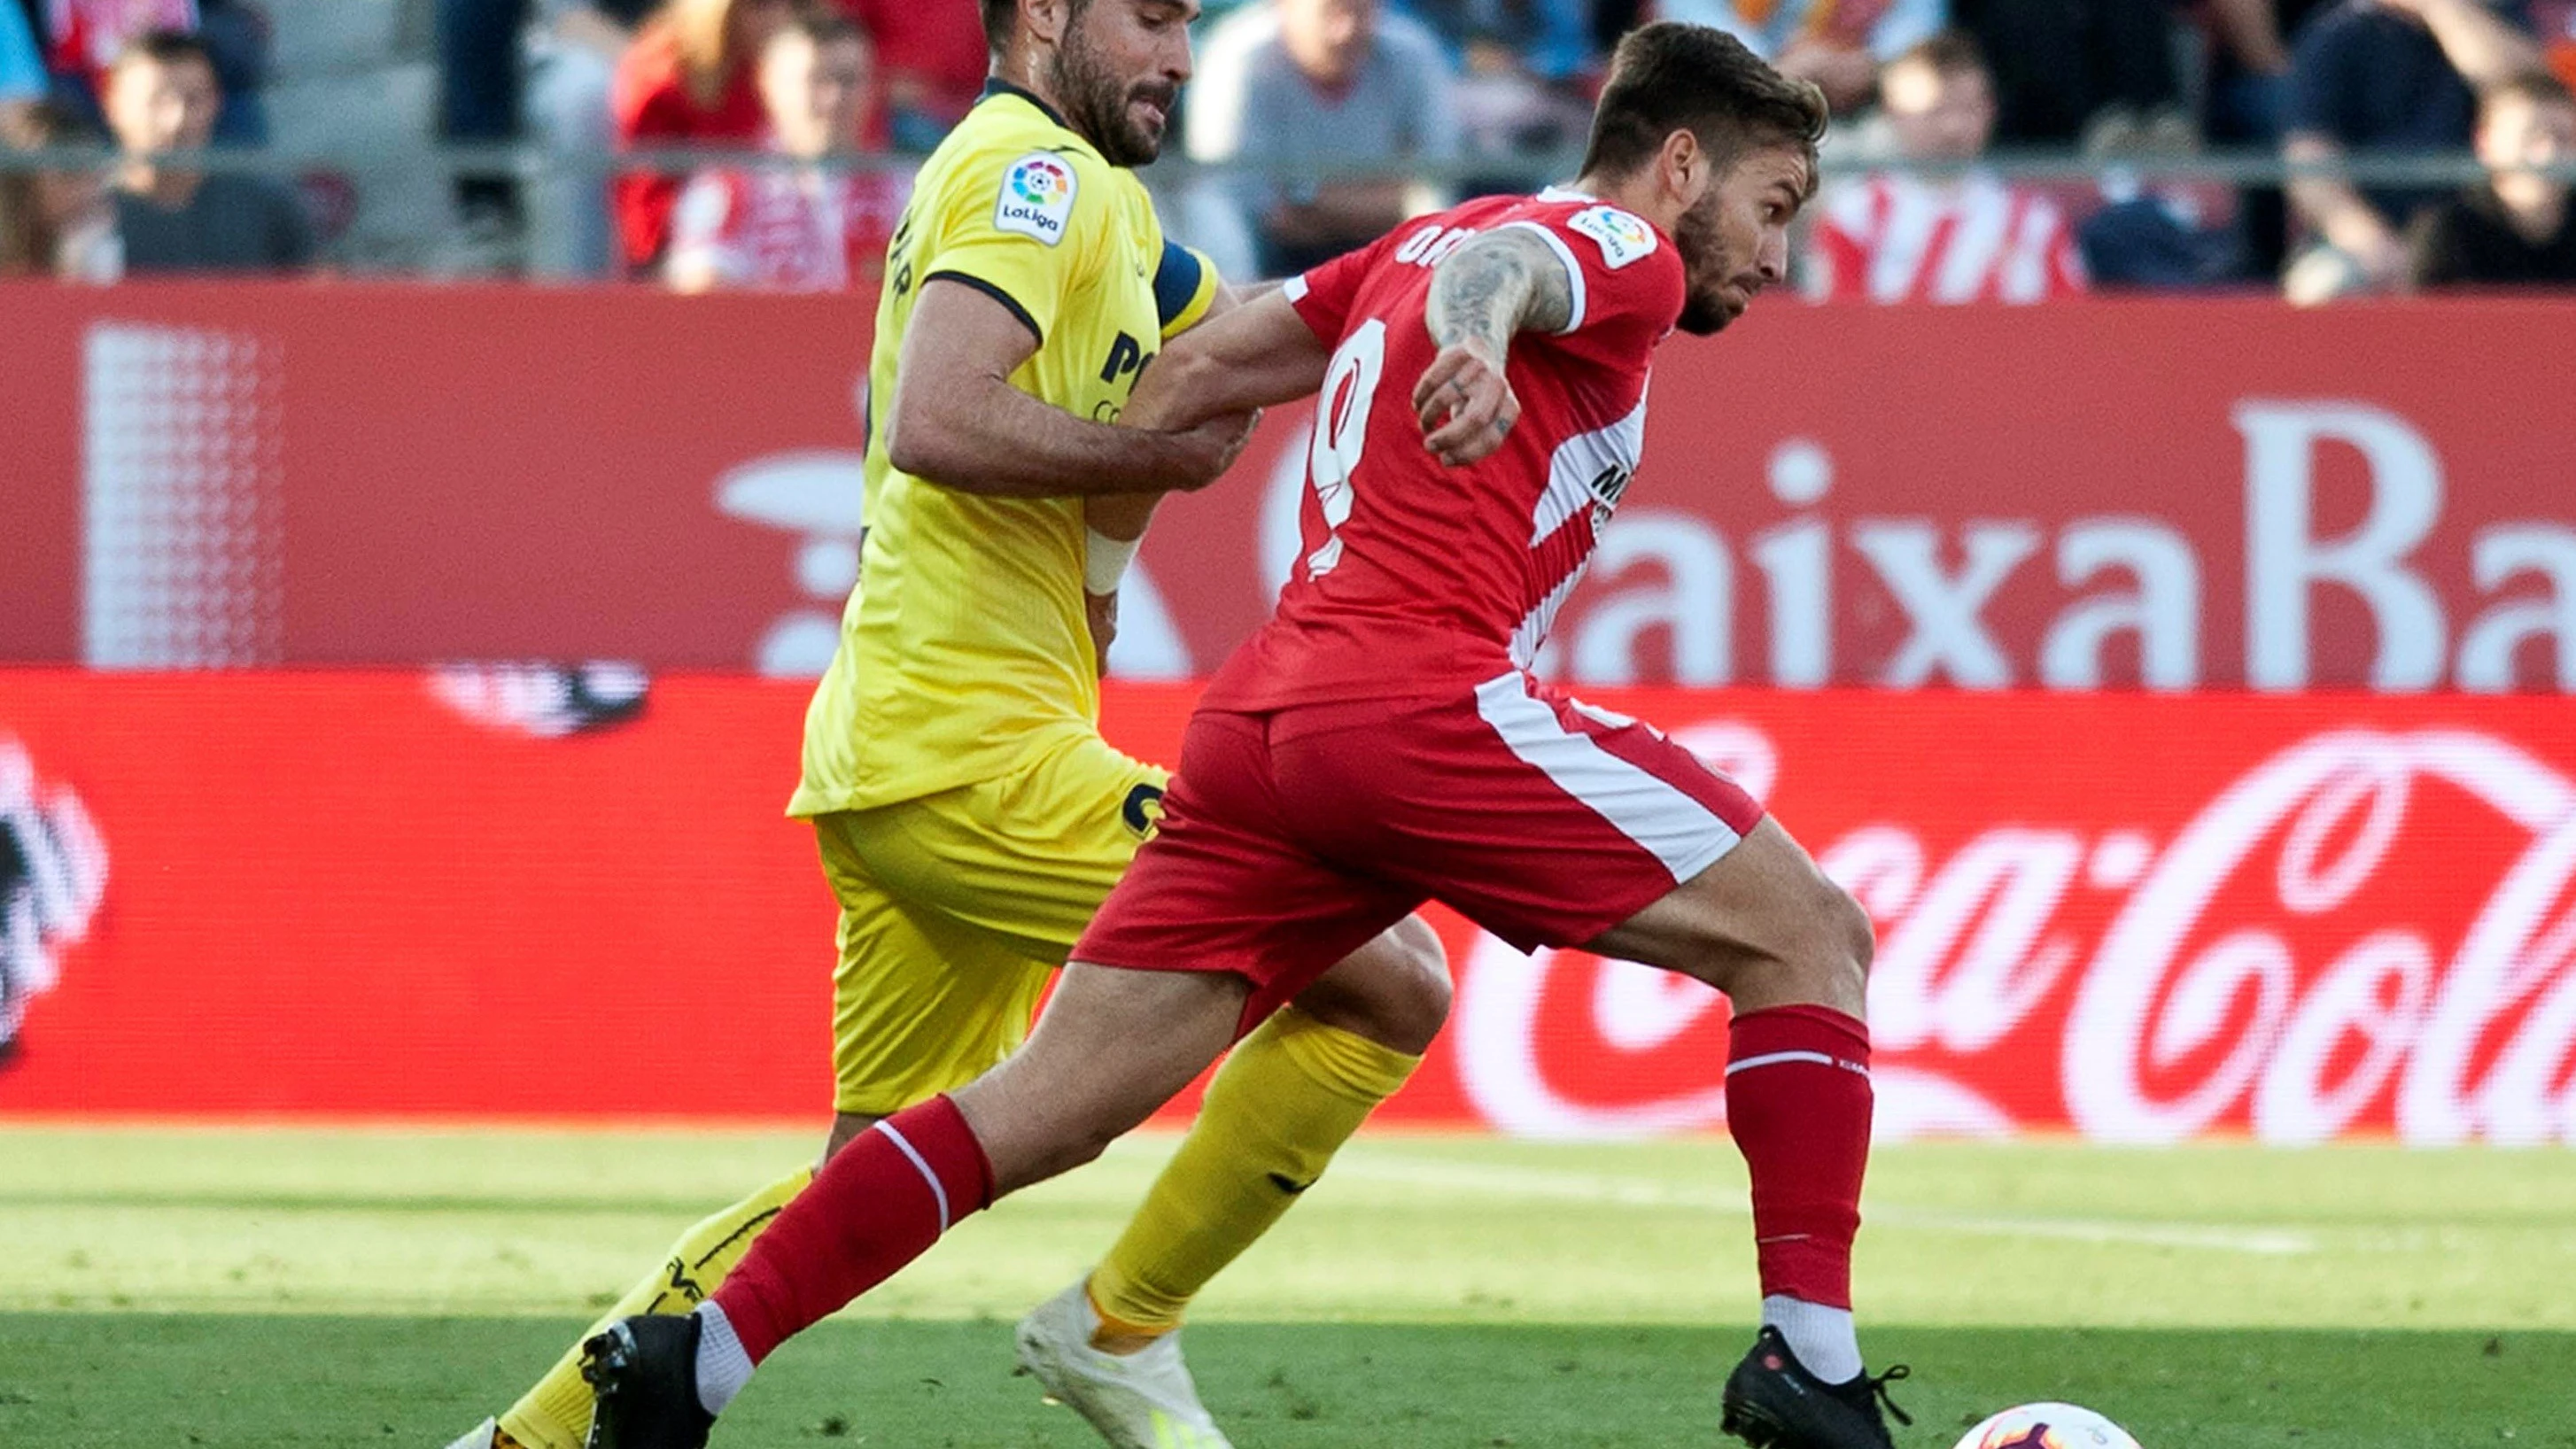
{"x":1798,"y":1102}
{"x":877,"y":1205}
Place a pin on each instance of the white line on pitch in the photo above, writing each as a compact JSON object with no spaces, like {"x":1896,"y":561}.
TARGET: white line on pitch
{"x":1361,"y":1160}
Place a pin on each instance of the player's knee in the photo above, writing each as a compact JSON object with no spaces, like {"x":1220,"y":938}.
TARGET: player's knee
{"x":1078,"y":1145}
{"x":1848,"y":926}
{"x":846,"y":1127}
{"x":1024,"y":1145}
{"x":1421,"y":1000}
{"x":1400,"y":1000}
{"x":1839,"y":947}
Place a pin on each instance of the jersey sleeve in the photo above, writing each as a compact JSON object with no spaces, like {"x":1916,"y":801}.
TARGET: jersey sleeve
{"x":1324,"y":296}
{"x":1022,"y":229}
{"x":1626,"y":277}
{"x":1185,"y":285}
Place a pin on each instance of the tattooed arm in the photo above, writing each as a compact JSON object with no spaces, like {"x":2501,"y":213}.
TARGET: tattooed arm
{"x":1503,"y":282}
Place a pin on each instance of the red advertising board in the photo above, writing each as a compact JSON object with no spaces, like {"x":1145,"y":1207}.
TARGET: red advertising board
{"x":2176,"y":494}
{"x":2129,"y":917}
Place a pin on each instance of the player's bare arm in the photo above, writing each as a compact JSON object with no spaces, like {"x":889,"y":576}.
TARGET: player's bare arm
{"x":956,"y":420}
{"x":1122,"y":517}
{"x":1117,"y":522}
{"x":1503,"y":282}
{"x":1256,"y":355}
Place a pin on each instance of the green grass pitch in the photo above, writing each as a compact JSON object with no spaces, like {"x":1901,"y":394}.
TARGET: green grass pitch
{"x":311,"y":1287}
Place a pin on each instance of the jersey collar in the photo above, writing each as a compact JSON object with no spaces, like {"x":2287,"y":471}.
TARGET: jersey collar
{"x":996,"y":86}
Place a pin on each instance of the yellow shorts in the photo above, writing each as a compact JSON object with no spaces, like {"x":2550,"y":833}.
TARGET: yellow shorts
{"x":956,"y":907}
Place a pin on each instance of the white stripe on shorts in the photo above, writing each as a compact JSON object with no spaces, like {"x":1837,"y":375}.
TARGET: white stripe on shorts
{"x":937,"y":1193}
{"x":1685,"y":835}
{"x":1773,"y":1059}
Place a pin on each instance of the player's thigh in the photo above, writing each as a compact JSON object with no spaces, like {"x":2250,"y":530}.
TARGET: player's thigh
{"x":1026,"y":858}
{"x":921,"y":1004}
{"x":1762,"y":924}
{"x":1222,"y":888}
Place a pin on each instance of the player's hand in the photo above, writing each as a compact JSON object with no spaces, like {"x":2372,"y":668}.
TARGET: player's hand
{"x":1210,"y":448}
{"x":1466,"y":406}
{"x":1102,"y":609}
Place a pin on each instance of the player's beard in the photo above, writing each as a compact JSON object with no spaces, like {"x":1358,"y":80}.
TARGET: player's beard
{"x":1695,"y":234}
{"x":1097,"y":102}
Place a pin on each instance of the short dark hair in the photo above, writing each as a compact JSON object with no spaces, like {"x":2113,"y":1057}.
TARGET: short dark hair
{"x":1672,"y":76}
{"x":2538,"y":87}
{"x":824,"y":25}
{"x":1002,"y":16}
{"x":163,"y":47}
{"x":1950,"y":52}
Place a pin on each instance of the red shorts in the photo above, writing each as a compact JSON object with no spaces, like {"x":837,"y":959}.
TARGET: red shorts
{"x":1291,"y":838}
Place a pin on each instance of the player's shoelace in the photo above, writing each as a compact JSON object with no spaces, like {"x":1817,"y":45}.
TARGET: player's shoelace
{"x":1877,"y":1389}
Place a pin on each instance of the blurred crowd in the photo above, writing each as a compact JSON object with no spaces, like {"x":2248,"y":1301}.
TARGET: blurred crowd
{"x":1316,"y":124}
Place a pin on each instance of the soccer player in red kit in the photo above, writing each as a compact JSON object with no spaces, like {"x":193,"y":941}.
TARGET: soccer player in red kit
{"x":1482,"y":377}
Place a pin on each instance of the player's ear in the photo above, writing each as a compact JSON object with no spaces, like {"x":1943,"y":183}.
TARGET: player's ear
{"x":1047,"y":20}
{"x":1682,"y":165}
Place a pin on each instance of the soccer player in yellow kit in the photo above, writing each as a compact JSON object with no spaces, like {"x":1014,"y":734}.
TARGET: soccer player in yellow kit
{"x":969,"y":814}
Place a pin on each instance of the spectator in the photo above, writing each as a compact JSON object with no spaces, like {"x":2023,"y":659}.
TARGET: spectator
{"x":2514,"y":230}
{"x":1550,"y":39}
{"x":88,"y":35}
{"x":2249,"y":65}
{"x":2100,"y":74}
{"x":686,"y":81}
{"x":1316,"y":80}
{"x":1519,"y":65}
{"x":54,"y":223}
{"x":539,"y":68}
{"x":2383,"y":75}
{"x":2247,"y":92}
{"x":803,"y":229}
{"x":1838,"y":44}
{"x":931,"y":58}
{"x":161,"y":97}
{"x":1895,"y":236}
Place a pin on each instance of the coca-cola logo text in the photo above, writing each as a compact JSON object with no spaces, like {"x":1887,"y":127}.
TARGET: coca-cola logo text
{"x":2371,"y":930}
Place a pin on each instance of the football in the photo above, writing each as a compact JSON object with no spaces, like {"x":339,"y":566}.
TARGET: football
{"x":2047,"y":1426}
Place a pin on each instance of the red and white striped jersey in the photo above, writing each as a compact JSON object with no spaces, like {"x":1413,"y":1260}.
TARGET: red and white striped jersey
{"x":1898,"y":238}
{"x":1414,"y":577}
{"x":787,"y":230}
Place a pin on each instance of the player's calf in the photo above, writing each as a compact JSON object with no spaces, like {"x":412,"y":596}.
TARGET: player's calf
{"x":1791,"y":950}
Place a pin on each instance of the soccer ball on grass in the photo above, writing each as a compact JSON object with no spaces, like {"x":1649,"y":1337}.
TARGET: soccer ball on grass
{"x":2047,"y":1426}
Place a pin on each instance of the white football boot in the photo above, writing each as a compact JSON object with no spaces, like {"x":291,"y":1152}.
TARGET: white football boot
{"x":478,"y":1437}
{"x":1140,"y":1400}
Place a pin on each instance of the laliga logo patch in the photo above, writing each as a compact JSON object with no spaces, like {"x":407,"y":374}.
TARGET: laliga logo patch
{"x":1036,"y":199}
{"x":1622,"y":237}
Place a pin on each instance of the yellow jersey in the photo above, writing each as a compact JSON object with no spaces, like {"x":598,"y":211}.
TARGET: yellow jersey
{"x":965,"y":650}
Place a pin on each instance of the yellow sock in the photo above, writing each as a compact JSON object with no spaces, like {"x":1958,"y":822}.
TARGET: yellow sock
{"x":556,"y":1413}
{"x":1287,"y":1099}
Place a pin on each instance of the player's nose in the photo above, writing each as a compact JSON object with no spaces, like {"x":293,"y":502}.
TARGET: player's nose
{"x":1772,"y":260}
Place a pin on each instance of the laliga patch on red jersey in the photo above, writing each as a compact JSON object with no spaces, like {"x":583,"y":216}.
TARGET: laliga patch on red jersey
{"x":1623,"y":237}
{"x":1036,"y":197}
